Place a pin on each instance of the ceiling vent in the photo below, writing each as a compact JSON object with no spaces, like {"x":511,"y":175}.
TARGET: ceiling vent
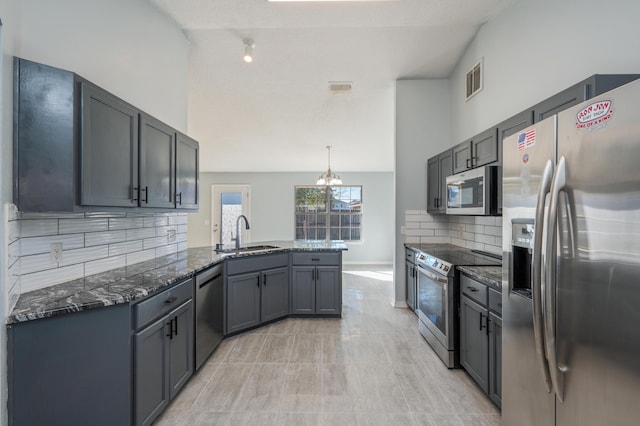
{"x":474,"y":80}
{"x":340,"y":86}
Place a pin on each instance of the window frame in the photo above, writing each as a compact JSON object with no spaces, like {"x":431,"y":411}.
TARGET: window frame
{"x":328,"y":213}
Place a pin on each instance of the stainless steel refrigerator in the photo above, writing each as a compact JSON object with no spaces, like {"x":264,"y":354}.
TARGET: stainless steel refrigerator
{"x":571,"y":266}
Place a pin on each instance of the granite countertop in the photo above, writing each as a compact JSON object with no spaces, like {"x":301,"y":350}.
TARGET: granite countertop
{"x":123,"y":285}
{"x":489,"y":275}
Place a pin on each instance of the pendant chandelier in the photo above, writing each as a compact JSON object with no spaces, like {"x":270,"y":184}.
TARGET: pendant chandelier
{"x":329,"y":178}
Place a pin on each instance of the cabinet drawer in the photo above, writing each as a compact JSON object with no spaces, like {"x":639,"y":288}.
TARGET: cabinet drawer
{"x":410,"y":255}
{"x":321,"y":259}
{"x":257,"y":263}
{"x":473,"y":289}
{"x":495,"y":301}
{"x":162,"y":303}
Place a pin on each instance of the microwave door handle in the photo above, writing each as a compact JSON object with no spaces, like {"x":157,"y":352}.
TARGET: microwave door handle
{"x":537,"y":291}
{"x":557,"y":185}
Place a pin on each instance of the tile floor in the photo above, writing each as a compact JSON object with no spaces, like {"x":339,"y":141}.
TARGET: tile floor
{"x":371,"y":367}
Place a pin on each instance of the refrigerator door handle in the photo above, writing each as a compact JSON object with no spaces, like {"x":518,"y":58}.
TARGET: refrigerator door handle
{"x":537,"y":293}
{"x":557,"y":185}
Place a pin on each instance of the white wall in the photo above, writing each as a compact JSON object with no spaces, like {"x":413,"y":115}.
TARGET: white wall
{"x":535,"y":49}
{"x":272,"y":209}
{"x":422,"y":131}
{"x":125,"y":46}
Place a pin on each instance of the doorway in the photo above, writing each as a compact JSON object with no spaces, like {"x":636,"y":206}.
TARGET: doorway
{"x":228,"y":202}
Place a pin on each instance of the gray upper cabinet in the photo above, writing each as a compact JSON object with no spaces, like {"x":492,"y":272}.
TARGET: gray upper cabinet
{"x":461,"y":156}
{"x":438,"y":168}
{"x":157,"y":163}
{"x":85,"y":149}
{"x":580,"y":92}
{"x":187,"y":172}
{"x":478,"y":151}
{"x":109,"y":149}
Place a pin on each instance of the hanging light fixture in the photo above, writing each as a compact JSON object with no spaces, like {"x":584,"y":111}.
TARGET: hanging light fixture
{"x":249,"y":44}
{"x":329,"y":178}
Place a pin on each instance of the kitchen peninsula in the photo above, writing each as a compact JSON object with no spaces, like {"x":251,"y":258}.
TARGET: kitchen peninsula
{"x":127,"y":335}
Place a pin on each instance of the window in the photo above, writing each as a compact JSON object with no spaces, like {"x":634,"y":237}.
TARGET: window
{"x":328,"y":212}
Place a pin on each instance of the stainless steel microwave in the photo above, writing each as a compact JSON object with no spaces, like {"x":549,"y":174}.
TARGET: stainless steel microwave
{"x":474,"y":192}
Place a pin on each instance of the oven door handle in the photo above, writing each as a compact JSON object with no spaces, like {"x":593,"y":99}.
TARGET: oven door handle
{"x":433,"y":276}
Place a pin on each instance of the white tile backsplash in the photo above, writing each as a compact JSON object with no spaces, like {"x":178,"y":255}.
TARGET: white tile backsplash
{"x":91,"y":243}
{"x":476,"y":232}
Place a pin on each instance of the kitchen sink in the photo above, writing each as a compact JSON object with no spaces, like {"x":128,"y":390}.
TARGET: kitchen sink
{"x":247,"y":249}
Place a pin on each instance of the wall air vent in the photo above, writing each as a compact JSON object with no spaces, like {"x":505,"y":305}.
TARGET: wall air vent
{"x":474,"y":80}
{"x":340,"y":86}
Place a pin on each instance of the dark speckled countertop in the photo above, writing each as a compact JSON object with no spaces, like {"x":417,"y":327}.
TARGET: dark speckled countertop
{"x":489,"y":275}
{"x":138,"y":281}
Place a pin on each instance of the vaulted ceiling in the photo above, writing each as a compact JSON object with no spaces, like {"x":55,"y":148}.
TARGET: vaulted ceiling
{"x":277,"y":113}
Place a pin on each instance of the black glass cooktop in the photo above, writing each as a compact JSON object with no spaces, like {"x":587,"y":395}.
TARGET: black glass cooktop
{"x":445,"y":257}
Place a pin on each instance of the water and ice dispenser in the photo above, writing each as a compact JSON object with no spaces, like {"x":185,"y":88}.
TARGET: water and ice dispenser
{"x":521,"y":257}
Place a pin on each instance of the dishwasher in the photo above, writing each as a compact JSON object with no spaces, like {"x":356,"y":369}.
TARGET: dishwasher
{"x":209,"y":313}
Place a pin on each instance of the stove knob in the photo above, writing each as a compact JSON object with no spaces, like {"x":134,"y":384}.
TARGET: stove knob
{"x":446,"y":269}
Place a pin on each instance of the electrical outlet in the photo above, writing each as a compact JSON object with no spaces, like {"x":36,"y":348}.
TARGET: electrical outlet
{"x":171,"y":236}
{"x":56,"y":252}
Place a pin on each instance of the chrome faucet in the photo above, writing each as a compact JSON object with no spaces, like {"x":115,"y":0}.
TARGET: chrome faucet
{"x":237,"y":237}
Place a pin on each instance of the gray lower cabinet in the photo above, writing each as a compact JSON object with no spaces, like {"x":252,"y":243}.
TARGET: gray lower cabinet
{"x":163,"y":349}
{"x":71,"y":369}
{"x":257,"y":290}
{"x":316,"y":284}
{"x":481,"y":335}
{"x":495,"y":358}
{"x":474,"y":343}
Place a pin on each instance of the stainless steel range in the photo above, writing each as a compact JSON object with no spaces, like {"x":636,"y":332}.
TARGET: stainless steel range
{"x":439,"y":295}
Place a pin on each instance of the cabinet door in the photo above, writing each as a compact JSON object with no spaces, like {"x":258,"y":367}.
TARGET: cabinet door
{"x":187,"y":152}
{"x":445,"y":161}
{"x":243,"y":301}
{"x":561,"y":101}
{"x":410,"y":285}
{"x":474,"y":343}
{"x":150,"y":378}
{"x":303,"y":294}
{"x":180,"y":347}
{"x":484,"y":148}
{"x":108,"y":150}
{"x":433,"y":184}
{"x":495,"y":359}
{"x":157,"y":167}
{"x":461,"y":157}
{"x":328,"y":290}
{"x":275,"y":294}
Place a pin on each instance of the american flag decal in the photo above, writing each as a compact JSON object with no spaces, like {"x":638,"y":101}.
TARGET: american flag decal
{"x":526,"y":139}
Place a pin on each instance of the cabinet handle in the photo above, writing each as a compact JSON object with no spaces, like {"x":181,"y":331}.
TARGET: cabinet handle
{"x":468,"y":160}
{"x":472,"y":289}
{"x":179,"y":197}
{"x":170,"y":325}
{"x":473,"y":161}
{"x":264,"y":279}
{"x":146,"y":194}
{"x":176,"y":325}
{"x":258,"y":282}
{"x":481,"y":318}
{"x":315,"y":259}
{"x":171,"y":300}
{"x":488,"y":320}
{"x":134,"y":192}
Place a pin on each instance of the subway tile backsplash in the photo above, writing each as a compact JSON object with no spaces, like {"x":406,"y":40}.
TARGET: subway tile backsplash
{"x":474,"y":232}
{"x":91,"y":243}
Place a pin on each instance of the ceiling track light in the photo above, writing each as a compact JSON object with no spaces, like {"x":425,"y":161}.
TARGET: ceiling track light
{"x":249,"y":44}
